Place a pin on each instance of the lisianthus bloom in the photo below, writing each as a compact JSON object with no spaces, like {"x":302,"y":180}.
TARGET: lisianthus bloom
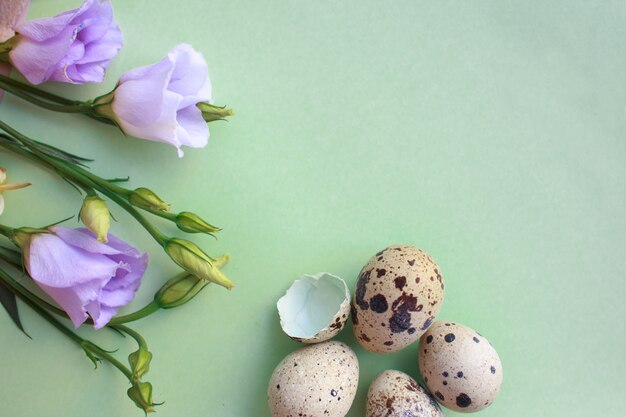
{"x":84,"y":276}
{"x":4,"y":186}
{"x":73,"y":47}
{"x":159,"y":102}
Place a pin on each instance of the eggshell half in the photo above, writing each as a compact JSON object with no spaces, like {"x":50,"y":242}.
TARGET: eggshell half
{"x":315,"y":308}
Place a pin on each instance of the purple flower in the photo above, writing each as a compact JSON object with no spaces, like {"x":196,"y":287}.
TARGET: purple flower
{"x":84,"y":276}
{"x":73,"y":47}
{"x":158,"y":102}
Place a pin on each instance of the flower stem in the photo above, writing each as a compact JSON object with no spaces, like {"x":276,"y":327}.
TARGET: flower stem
{"x":138,"y":338}
{"x":139,"y":314}
{"x":50,"y":101}
{"x":103,"y":183}
{"x":36,"y":91}
{"x":84,"y":177}
{"x":108,"y":357}
{"x":80,"y":107}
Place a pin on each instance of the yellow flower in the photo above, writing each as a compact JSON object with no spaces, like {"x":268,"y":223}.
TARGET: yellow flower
{"x":4,"y":186}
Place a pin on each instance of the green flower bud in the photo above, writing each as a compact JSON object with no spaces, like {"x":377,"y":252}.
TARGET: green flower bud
{"x":193,"y":260}
{"x":211,"y":113}
{"x":140,"y":363}
{"x":146,"y":198}
{"x":95,"y":215}
{"x":192,"y":223}
{"x":178,"y":290}
{"x":183,"y":287}
{"x":141,"y":394}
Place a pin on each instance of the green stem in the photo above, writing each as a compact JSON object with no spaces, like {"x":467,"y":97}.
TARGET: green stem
{"x":168,"y":215}
{"x":86,"y":178}
{"x":100,"y":181}
{"x":84,"y":107}
{"x":139,"y":314}
{"x":138,"y":338}
{"x":109,"y":358}
{"x":36,"y":91}
{"x":58,"y":103}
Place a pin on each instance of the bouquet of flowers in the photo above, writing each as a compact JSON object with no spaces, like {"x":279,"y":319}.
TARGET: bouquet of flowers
{"x":87,"y":274}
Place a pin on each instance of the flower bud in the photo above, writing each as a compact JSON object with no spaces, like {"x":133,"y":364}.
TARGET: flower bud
{"x":193,"y":260}
{"x":141,"y":394}
{"x":211,"y":113}
{"x":178,"y":290}
{"x":140,"y":362}
{"x":146,"y":198}
{"x":95,"y":215}
{"x":192,"y":223}
{"x":183,"y":287}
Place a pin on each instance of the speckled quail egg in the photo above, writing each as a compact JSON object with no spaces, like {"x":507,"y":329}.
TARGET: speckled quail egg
{"x":459,"y":366}
{"x":316,"y":380}
{"x":396,"y":394}
{"x":315,"y":308}
{"x":398,"y":294}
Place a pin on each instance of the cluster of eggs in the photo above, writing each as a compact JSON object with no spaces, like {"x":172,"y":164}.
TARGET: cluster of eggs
{"x":398,"y":295}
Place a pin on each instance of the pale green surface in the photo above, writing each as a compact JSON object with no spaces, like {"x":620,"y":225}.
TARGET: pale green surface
{"x":489,"y":133}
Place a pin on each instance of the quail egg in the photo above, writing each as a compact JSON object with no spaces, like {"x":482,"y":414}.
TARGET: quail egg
{"x":459,"y":366}
{"x":394,"y":393}
{"x":316,"y":380}
{"x":399,"y":292}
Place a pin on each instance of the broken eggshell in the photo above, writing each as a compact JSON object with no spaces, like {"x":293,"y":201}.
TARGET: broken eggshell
{"x":315,"y":308}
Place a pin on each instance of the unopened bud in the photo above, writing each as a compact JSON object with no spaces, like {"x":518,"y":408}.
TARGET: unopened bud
{"x":146,"y":198}
{"x":183,"y":287}
{"x":192,"y":223}
{"x":95,"y":215}
{"x":193,"y":260}
{"x":211,"y":113}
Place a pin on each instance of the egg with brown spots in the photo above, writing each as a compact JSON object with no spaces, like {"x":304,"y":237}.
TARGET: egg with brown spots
{"x":399,"y":292}
{"x":459,"y":366}
{"x":317,"y":380}
{"x":394,"y":393}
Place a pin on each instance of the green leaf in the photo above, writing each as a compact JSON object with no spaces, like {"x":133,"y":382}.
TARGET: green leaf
{"x":7,"y":298}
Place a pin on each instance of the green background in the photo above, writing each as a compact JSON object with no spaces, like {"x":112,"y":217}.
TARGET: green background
{"x":489,"y":133}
